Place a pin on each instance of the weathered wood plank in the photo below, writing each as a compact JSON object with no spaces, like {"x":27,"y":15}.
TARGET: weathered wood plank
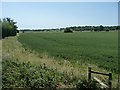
{"x":101,"y":83}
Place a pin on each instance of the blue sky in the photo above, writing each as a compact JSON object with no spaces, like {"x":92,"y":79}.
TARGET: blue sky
{"x":60,"y":14}
{"x":59,"y":0}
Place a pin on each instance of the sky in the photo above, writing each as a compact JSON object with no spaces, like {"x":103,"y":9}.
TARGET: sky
{"x":59,"y":0}
{"x":34,"y":15}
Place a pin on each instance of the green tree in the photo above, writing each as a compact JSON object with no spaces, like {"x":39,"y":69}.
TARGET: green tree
{"x":101,"y":28}
{"x":0,"y":29}
{"x":68,"y":30}
{"x":9,"y":27}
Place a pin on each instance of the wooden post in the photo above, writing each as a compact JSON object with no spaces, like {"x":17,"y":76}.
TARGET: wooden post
{"x":89,"y":73}
{"x":110,"y":81}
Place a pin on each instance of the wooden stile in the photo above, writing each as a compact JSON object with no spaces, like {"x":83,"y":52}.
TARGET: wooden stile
{"x":109,"y":86}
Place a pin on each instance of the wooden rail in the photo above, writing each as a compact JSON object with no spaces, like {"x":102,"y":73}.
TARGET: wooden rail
{"x":109,"y":86}
{"x":101,"y":83}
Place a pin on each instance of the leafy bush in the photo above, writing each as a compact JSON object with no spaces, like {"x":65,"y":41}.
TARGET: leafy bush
{"x":16,"y":74}
{"x":26,"y":75}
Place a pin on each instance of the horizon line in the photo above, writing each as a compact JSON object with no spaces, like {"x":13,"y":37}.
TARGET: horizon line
{"x":69,"y":26}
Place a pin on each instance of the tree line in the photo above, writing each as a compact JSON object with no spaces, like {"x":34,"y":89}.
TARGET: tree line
{"x":8,"y":27}
{"x":77,"y":28}
{"x":91,"y":28}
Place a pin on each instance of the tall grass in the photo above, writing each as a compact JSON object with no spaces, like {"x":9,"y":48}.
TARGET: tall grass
{"x":12,"y":50}
{"x":98,"y":48}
